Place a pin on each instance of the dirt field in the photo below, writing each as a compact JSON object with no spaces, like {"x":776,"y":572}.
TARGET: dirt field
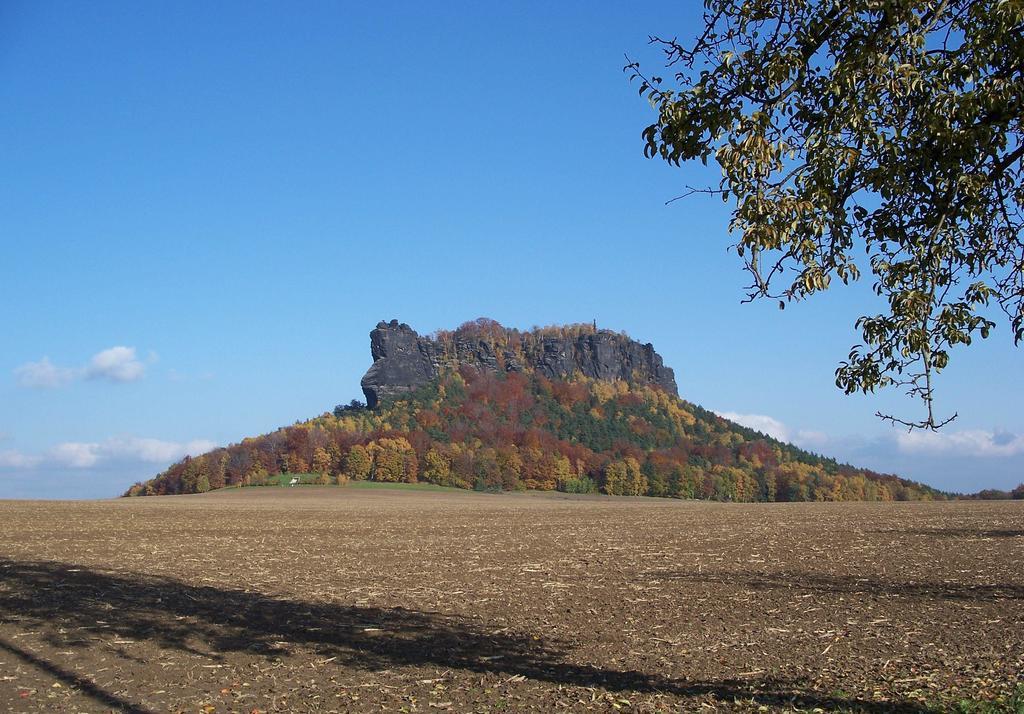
{"x":328,"y":599}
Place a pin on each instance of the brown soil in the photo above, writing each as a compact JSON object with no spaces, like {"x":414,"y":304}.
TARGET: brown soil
{"x":331,"y":599}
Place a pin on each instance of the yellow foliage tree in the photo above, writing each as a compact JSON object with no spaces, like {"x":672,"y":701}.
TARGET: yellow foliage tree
{"x":393,"y":460}
{"x":322,"y":465}
{"x":437,"y":468}
{"x":358,"y":463}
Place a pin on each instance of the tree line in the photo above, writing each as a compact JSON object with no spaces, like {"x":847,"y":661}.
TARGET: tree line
{"x":510,"y":431}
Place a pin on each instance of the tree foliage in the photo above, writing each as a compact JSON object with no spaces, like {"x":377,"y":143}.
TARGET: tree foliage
{"x":879,"y":136}
{"x":358,"y":463}
{"x":520,"y":430}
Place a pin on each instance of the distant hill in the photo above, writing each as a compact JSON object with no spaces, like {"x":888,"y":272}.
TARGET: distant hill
{"x":572,"y":408}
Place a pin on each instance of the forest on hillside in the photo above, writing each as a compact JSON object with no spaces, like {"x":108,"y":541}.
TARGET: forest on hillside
{"x":509,"y":431}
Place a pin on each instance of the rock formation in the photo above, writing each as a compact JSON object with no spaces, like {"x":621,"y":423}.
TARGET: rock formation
{"x":404,"y":361}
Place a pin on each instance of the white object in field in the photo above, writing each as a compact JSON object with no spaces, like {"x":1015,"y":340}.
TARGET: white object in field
{"x":295,"y":480}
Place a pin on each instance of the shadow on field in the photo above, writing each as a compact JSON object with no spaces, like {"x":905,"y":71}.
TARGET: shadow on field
{"x":69,"y":604}
{"x":849,"y":585}
{"x":80,"y":683}
{"x":958,"y":532}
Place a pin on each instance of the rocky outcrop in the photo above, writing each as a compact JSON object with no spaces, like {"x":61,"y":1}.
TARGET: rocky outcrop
{"x":404,"y":361}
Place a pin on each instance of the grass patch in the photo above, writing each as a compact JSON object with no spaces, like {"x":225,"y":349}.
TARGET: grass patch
{"x":310,"y":479}
{"x":279,"y":480}
{"x":402,"y":486}
{"x":285,"y":479}
{"x":1012,"y":703}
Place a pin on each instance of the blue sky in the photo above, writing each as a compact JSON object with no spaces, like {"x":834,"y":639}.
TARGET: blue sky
{"x":205,"y":208}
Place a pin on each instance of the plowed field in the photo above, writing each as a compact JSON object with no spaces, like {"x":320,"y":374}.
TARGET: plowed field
{"x":348,"y":599}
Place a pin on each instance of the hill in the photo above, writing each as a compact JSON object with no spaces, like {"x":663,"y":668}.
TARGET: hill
{"x":572,"y":408}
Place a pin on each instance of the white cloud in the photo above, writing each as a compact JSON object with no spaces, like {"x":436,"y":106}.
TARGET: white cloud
{"x":117,"y":364}
{"x":962,"y":461}
{"x":11,"y":459}
{"x":155,"y":450}
{"x":759,"y":422}
{"x":124,"y":450}
{"x":805,"y":438}
{"x":810,"y":439}
{"x":75,"y":454}
{"x":43,"y":374}
{"x":968,"y":442}
{"x":152,"y":451}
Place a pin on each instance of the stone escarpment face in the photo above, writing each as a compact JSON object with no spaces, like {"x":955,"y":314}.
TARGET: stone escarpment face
{"x":404,"y":361}
{"x":606,"y":356}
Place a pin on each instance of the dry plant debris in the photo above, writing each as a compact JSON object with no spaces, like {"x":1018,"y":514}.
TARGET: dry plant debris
{"x":336,"y":600}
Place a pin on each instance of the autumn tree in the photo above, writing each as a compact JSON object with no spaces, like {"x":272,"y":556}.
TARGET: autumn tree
{"x":624,"y":478}
{"x":438,"y":467}
{"x":561,"y":473}
{"x":393,"y":460}
{"x":535,"y":469}
{"x":292,"y":463}
{"x":863,"y":136}
{"x":388,"y":464}
{"x":510,"y":465}
{"x":216,"y":463}
{"x":256,"y":476}
{"x":524,"y":432}
{"x":322,"y":465}
{"x":358,"y":463}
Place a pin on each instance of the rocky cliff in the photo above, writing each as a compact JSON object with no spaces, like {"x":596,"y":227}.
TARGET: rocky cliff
{"x":404,"y":361}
